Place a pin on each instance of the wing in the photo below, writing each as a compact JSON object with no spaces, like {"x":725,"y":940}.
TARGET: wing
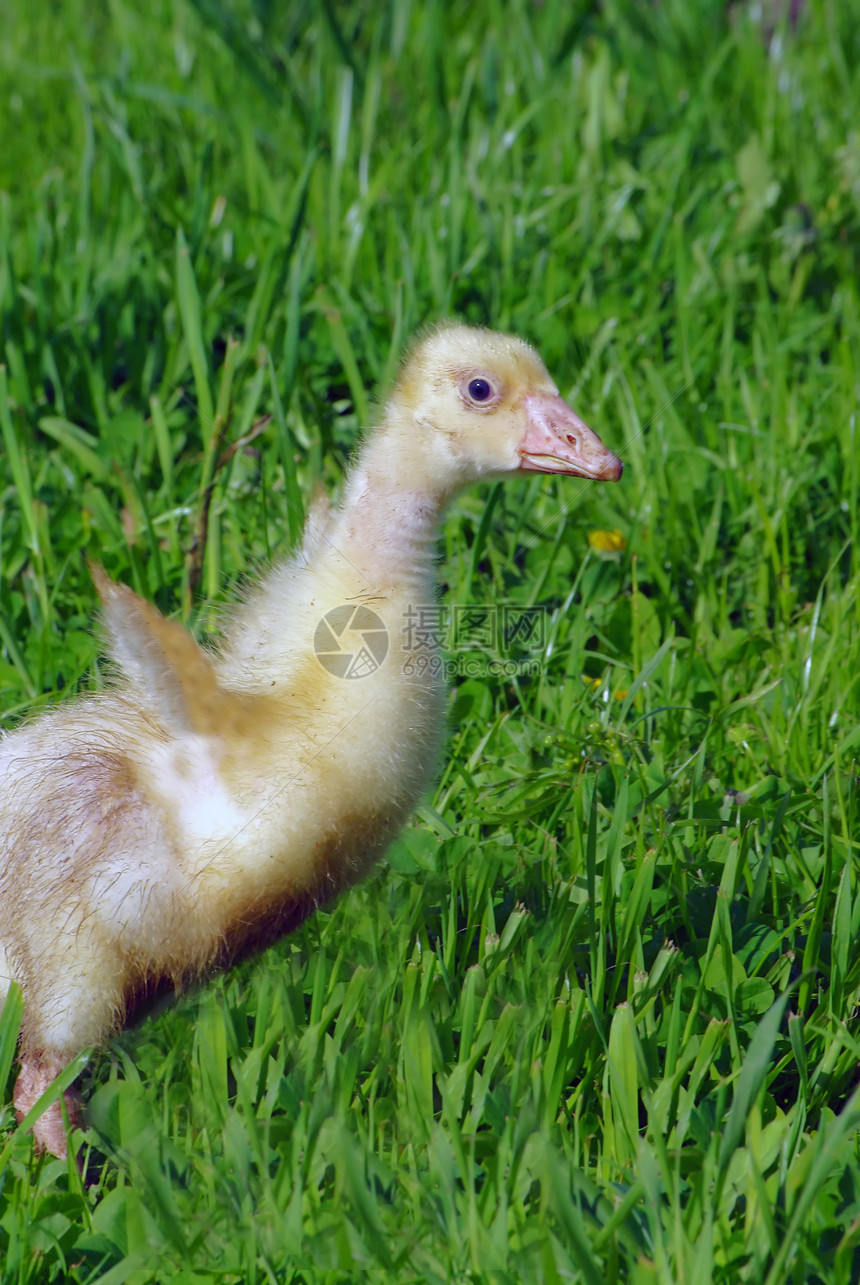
{"x":169,"y":671}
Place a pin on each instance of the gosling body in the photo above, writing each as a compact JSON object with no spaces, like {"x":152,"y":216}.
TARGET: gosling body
{"x":208,"y":801}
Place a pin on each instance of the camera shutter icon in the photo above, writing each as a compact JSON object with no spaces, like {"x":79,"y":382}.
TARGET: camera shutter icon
{"x":351,"y":641}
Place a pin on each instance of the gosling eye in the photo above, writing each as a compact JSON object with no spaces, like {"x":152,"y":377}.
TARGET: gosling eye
{"x":480,"y":391}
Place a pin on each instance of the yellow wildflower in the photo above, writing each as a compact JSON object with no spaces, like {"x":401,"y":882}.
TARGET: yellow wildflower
{"x":607,"y":541}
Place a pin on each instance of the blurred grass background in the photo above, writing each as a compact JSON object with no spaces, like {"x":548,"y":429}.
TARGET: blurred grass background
{"x":594,"y":1018}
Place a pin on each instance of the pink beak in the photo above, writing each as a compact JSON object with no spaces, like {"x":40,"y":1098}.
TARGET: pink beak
{"x":557,"y":441}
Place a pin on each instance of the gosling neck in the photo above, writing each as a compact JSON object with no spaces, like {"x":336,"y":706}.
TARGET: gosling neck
{"x":389,"y":519}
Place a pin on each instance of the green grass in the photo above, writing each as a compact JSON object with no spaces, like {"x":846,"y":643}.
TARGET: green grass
{"x":593,"y":1018}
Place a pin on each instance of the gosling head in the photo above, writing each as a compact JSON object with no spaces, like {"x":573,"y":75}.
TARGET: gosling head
{"x":471,"y":404}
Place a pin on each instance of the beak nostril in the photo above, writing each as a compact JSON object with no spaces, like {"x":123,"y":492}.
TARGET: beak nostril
{"x":571,"y":439}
